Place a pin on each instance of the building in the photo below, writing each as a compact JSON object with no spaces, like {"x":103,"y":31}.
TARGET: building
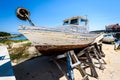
{"x":113,"y":28}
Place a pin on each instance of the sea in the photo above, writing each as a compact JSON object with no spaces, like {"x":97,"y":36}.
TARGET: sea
{"x":18,"y":38}
{"x":22,"y":37}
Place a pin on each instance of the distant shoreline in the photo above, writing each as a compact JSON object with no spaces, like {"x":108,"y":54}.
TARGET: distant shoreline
{"x":18,"y":37}
{"x":13,"y":37}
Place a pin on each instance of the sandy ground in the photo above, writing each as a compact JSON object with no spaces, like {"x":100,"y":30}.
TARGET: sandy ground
{"x":41,"y":68}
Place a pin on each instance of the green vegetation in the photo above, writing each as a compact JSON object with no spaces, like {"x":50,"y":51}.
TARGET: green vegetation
{"x":4,"y":34}
{"x":17,"y":53}
{"x":18,"y":56}
{"x":15,"y":56}
{"x":20,"y":52}
{"x":25,"y":55}
{"x":27,"y":44}
{"x":10,"y":41}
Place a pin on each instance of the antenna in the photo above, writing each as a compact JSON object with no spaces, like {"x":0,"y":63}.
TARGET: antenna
{"x":24,"y":14}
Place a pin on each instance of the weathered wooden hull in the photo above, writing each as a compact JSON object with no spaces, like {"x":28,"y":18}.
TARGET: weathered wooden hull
{"x":57,"y":50}
{"x":51,"y":42}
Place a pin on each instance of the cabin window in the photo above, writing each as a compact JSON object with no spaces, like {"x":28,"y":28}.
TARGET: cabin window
{"x":82,"y":22}
{"x":74,"y":21}
{"x":65,"y":23}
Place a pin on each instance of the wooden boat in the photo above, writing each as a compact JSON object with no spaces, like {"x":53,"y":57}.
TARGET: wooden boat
{"x":73,"y":34}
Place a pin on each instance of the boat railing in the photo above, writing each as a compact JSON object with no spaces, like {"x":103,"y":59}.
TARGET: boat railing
{"x":66,"y":29}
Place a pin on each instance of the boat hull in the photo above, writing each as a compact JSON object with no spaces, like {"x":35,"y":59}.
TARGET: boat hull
{"x":54,"y":43}
{"x":48,"y":50}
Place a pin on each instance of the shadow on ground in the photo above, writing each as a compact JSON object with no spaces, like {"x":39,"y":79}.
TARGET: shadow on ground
{"x":39,"y":68}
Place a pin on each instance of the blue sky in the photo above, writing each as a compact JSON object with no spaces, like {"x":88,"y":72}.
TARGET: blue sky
{"x":52,"y":12}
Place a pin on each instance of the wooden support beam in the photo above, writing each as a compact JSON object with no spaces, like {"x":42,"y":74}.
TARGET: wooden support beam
{"x":79,"y":67}
{"x":92,"y":67}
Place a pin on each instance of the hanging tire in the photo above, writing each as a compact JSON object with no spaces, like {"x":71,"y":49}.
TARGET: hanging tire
{"x":22,"y":13}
